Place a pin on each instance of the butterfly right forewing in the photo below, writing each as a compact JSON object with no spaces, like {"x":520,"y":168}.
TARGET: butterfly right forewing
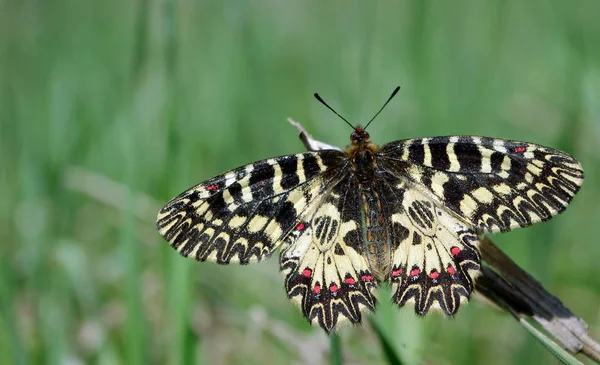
{"x":492,"y":184}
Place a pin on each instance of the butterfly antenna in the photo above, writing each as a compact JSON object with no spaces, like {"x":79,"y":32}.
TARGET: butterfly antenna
{"x":386,"y":103}
{"x":330,"y":108}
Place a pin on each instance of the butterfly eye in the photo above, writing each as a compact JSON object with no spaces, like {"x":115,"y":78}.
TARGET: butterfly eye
{"x":358,"y":135}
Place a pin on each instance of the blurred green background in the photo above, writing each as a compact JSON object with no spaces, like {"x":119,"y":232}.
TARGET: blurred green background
{"x":110,"y":108}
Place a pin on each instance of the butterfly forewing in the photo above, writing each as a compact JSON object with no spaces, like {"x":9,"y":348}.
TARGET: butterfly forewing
{"x":243,"y":215}
{"x":492,"y":184}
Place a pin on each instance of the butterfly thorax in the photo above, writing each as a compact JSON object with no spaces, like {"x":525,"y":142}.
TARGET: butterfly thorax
{"x":361,"y":154}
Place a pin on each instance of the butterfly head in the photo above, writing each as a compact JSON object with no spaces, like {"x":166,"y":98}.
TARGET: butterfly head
{"x":359,"y":136}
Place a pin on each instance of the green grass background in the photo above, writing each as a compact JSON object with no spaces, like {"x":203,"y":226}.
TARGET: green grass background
{"x":110,"y":108}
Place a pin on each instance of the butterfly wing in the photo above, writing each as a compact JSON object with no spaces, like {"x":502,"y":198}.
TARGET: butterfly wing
{"x":326,"y":271}
{"x":492,"y":184}
{"x":243,"y":215}
{"x":442,"y":192}
{"x":434,"y":255}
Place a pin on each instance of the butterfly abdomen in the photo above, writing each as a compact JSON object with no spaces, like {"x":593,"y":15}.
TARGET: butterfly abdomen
{"x":376,"y":245}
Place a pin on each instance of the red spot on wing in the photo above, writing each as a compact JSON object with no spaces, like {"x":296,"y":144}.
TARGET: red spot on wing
{"x":317,"y":289}
{"x":519,"y":149}
{"x":414,"y":272}
{"x":212,"y":187}
{"x":451,"y":270}
{"x":455,"y":251}
{"x":434,"y":275}
{"x":300,"y":226}
{"x":333,"y":288}
{"x":349,"y":281}
{"x":307,"y":273}
{"x":367,"y":278}
{"x":397,"y":272}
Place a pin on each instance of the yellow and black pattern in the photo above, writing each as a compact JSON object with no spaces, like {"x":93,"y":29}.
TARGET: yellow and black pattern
{"x":243,"y":215}
{"x":493,"y":184}
{"x":326,"y":270}
{"x":409,"y":213}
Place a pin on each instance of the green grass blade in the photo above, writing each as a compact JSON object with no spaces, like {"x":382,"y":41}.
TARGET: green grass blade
{"x":554,"y":348}
{"x":386,"y":345}
{"x":336,"y":349}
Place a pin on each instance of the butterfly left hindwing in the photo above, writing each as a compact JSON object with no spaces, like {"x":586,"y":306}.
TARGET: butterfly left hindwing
{"x":323,"y":260}
{"x":435,"y":257}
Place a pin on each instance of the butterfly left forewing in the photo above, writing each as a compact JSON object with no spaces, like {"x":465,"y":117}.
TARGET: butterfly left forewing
{"x":243,"y":215}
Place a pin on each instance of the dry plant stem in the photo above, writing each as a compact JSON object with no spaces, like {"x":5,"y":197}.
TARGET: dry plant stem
{"x":525,"y":296}
{"x":310,"y":143}
{"x":514,"y":290}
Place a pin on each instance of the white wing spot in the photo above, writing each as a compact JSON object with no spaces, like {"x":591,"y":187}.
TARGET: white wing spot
{"x":437,"y":183}
{"x":534,"y":169}
{"x":454,"y":164}
{"x":503,"y":189}
{"x":426,"y":152}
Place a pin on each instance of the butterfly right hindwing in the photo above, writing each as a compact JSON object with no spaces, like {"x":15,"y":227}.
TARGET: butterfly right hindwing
{"x":435,"y":256}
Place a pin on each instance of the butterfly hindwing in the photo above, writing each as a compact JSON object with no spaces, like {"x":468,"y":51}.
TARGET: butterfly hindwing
{"x":242,"y":216}
{"x":326,"y":272}
{"x":492,"y":184}
{"x":434,"y":256}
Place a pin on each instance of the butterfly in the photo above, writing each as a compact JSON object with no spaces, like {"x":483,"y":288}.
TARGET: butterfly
{"x":409,"y":213}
